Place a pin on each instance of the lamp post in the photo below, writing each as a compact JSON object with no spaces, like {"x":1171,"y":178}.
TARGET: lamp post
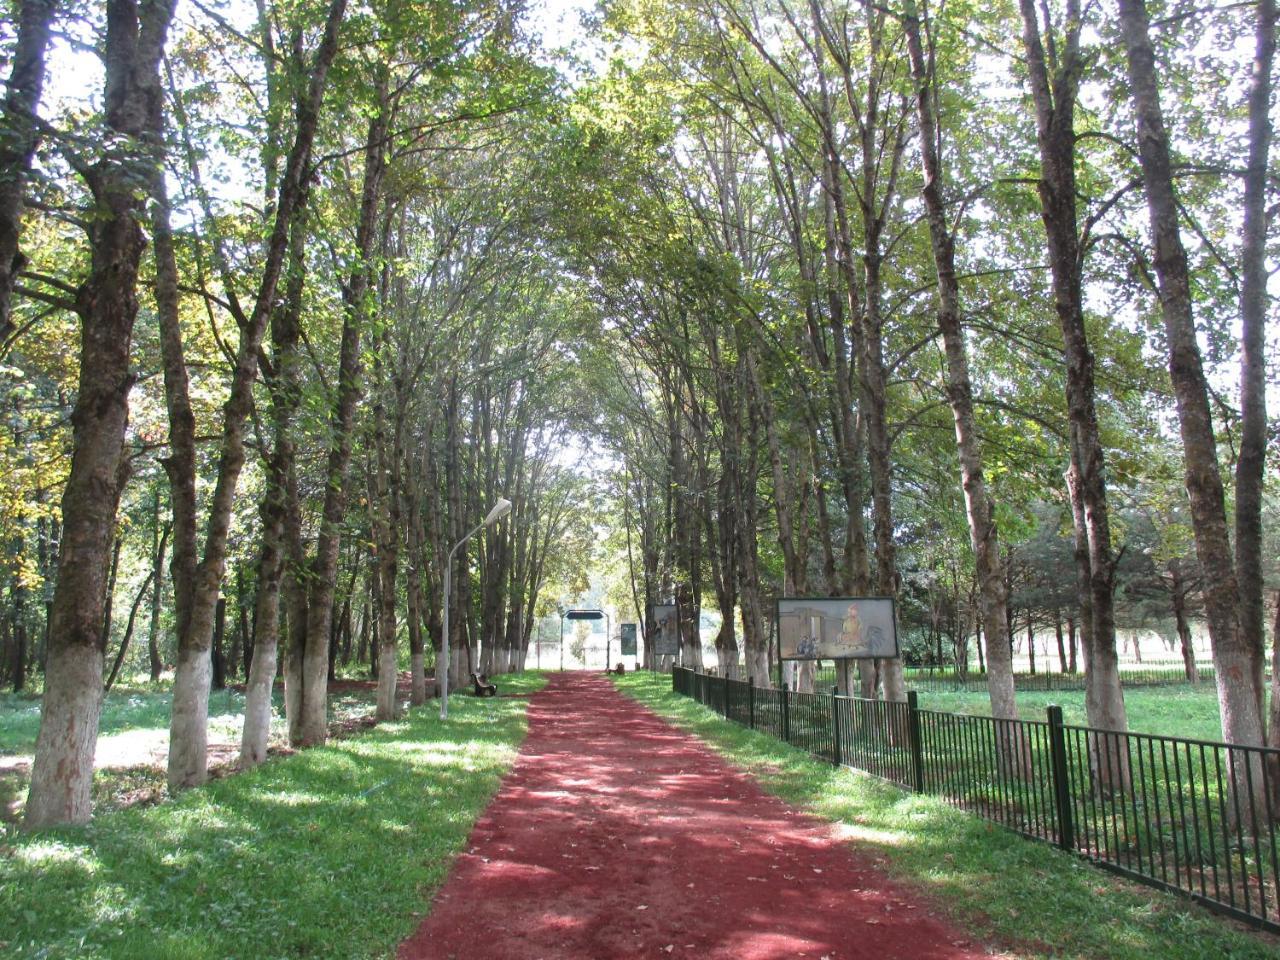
{"x":500,"y":510}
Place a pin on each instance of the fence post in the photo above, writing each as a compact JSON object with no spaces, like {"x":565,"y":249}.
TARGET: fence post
{"x":1061,"y":785}
{"x":786,"y":714}
{"x":751,"y":702}
{"x":915,"y":740}
{"x":835,"y":726}
{"x":726,"y":695}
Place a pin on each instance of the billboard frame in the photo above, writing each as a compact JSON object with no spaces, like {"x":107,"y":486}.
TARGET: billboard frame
{"x":658,"y":621}
{"x":777,"y":621}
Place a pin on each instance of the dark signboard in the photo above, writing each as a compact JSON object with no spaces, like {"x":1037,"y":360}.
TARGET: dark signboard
{"x":628,"y":639}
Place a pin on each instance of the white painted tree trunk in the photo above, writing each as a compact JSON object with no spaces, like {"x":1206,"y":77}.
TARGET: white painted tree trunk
{"x":257,"y":702}
{"x":62,"y":775}
{"x":188,"y":722}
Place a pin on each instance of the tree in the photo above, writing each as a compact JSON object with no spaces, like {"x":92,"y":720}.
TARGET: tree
{"x":1238,"y":656}
{"x":106,"y":303}
{"x":982,"y":528}
{"x":21,"y":132}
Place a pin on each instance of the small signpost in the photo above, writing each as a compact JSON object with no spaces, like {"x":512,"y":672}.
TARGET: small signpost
{"x":628,"y":639}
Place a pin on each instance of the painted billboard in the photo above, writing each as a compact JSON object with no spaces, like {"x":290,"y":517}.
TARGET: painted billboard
{"x":628,"y":639}
{"x":836,"y":628}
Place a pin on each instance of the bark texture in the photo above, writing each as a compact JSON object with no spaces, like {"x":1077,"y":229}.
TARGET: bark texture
{"x":188,"y":733}
{"x":1054,"y":89}
{"x":1251,"y":461}
{"x":978,"y":505}
{"x":309,"y":726}
{"x":18,"y":138}
{"x":1238,"y":661}
{"x":107,"y":304}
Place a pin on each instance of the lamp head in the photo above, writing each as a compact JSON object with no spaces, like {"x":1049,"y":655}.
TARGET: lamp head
{"x":500,"y":510}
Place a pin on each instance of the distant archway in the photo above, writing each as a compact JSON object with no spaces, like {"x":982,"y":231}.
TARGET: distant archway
{"x":586,"y":614}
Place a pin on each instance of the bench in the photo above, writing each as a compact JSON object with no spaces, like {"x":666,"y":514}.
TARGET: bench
{"x":483,"y":688}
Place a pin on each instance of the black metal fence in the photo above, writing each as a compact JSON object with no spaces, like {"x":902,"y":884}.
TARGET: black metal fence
{"x":1192,"y":816}
{"x":928,"y":680}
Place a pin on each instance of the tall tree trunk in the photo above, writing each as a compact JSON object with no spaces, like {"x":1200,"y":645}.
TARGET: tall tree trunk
{"x":188,"y":727}
{"x":157,"y":594}
{"x":414,"y":546}
{"x":262,"y":671}
{"x":312,"y":725}
{"x":385,"y":514}
{"x":754,"y":635}
{"x":1055,"y":104}
{"x":1178,"y":598}
{"x":107,"y":304}
{"x":1238,"y":660}
{"x":980,"y":510}
{"x":793,"y":573}
{"x":1273,"y":731}
{"x":18,"y":658}
{"x":281,"y":597}
{"x":1251,"y":462}
{"x":18,"y":145}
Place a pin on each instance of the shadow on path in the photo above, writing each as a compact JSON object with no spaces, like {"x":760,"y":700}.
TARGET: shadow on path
{"x":617,"y":836}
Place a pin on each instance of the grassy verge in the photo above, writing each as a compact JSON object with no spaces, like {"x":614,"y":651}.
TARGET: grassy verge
{"x":1028,"y":897}
{"x":133,"y":738}
{"x":1173,"y":711}
{"x":331,"y":852}
{"x":125,"y":710}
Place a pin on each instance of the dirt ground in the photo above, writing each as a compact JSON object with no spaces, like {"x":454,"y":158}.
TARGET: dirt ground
{"x":616,"y":836}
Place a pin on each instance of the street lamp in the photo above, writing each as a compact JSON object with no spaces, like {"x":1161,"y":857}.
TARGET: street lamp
{"x":500,"y":510}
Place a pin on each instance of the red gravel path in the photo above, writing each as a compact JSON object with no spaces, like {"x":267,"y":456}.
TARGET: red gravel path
{"x":617,"y":836}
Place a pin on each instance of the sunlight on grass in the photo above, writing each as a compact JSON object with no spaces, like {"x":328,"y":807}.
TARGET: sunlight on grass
{"x":1179,"y":710}
{"x":48,"y":855}
{"x":329,"y":853}
{"x":1027,"y":898}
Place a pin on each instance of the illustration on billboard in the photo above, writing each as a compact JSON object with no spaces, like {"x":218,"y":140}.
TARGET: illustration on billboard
{"x":667,"y":641}
{"x":628,"y":639}
{"x":836,"y":628}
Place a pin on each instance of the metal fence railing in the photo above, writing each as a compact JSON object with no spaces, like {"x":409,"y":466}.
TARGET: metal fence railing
{"x":1194,"y":816}
{"x":931,"y":680}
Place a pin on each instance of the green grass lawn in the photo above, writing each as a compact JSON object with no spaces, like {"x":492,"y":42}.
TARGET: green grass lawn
{"x":126,"y":709}
{"x":1174,"y":711}
{"x":331,"y":852}
{"x":1026,"y":897}
{"x":132,"y":736}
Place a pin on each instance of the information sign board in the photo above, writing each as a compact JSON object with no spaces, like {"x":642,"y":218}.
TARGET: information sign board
{"x":837,"y":628}
{"x":666,"y":643}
